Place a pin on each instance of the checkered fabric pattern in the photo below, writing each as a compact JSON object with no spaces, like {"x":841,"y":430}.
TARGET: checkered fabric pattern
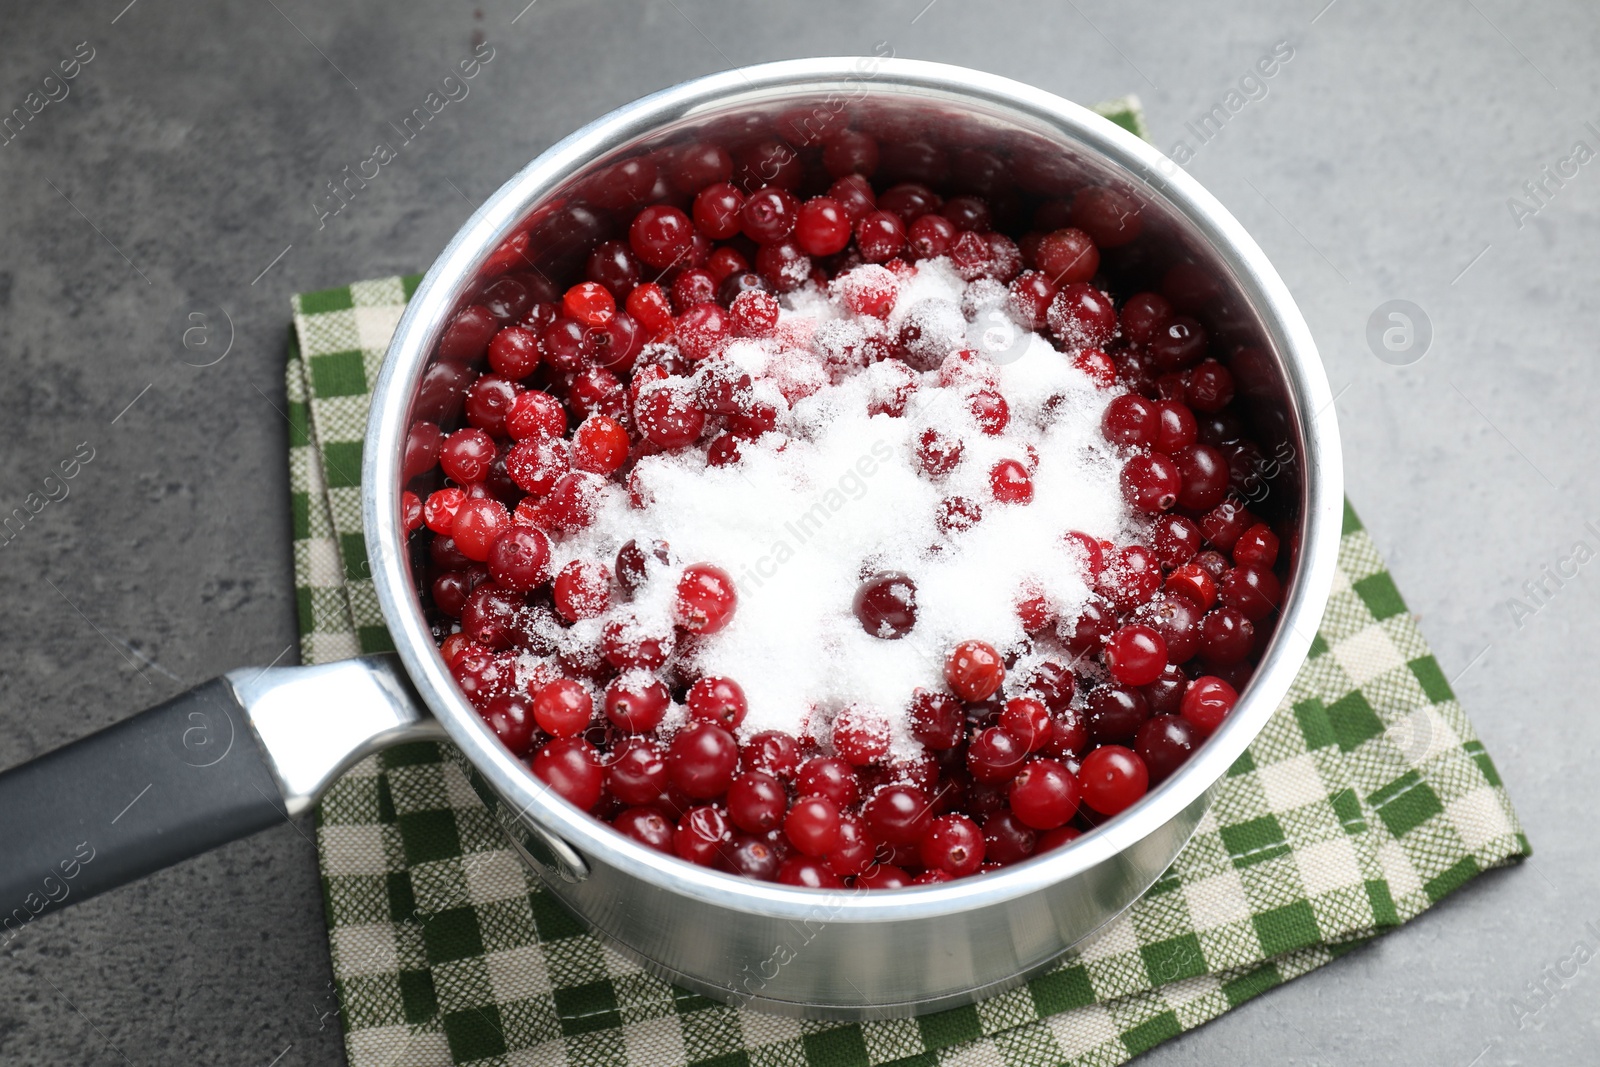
{"x":1365,"y":800}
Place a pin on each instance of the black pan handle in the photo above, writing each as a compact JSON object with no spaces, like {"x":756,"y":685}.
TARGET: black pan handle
{"x":228,"y":758}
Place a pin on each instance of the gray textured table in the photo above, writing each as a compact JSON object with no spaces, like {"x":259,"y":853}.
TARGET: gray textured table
{"x":182,"y":171}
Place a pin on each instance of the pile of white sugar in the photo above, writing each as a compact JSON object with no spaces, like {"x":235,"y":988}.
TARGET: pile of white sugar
{"x":835,"y":493}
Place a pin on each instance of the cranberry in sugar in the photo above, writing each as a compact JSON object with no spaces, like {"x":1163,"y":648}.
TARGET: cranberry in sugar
{"x":510,"y":716}
{"x":830,"y":777}
{"x":571,"y":767}
{"x":952,"y":844}
{"x":886,"y":605}
{"x":1112,"y":779}
{"x":756,"y":802}
{"x":636,"y":702}
{"x":717,"y":700}
{"x":1044,"y":794}
{"x":974,"y":670}
{"x":701,"y":760}
{"x":637,"y":772}
{"x":704,"y":835}
{"x":706,"y":598}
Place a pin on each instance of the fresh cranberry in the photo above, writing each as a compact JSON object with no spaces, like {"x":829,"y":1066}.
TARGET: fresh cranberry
{"x":582,"y":590}
{"x":930,"y":235}
{"x":829,"y":777}
{"x":897,"y":814}
{"x":1256,"y":547}
{"x":994,"y":755}
{"x":1067,"y":255}
{"x":812,"y":825}
{"x":756,"y":802}
{"x":910,"y":201}
{"x":808,"y":873}
{"x":1226,"y":636}
{"x":646,"y":826}
{"x":1084,"y":634}
{"x":1081,"y":316}
{"x":637,"y":773}
{"x":701,"y":760}
{"x":536,"y":463}
{"x":632,"y":563}
{"x":1027,"y":720}
{"x":1112,"y":779}
{"x":1151,"y":482}
{"x":693,"y":287}
{"x":956,"y":514}
{"x":753,"y":314}
{"x":783,"y":265}
{"x":1176,"y":539}
{"x":660,"y":235}
{"x":880,"y":236}
{"x":717,"y":211}
{"x":465,"y":456}
{"x":510,"y":716}
{"x":537,"y":415}
{"x":768,"y":215}
{"x":704,"y":834}
{"x":886,"y":605}
{"x":1176,"y":619}
{"x":1143,"y":315}
{"x":937,"y":719}
{"x":953,"y":844}
{"x":752,"y":858}
{"x":573,"y":500}
{"x":519,"y":559}
{"x":883,"y":876}
{"x":1131,"y":577}
{"x":647,"y":304}
{"x":1224,"y":524}
{"x":1006,"y":839}
{"x":717,"y":700}
{"x":1110,"y":217}
{"x":668,"y":417}
{"x":821,"y":226}
{"x":1135,"y":655}
{"x":990,"y":409}
{"x":1130,"y":420}
{"x":1204,"y":475}
{"x":1010,"y":483}
{"x":1116,"y":712}
{"x":706,"y":598}
{"x":974,"y":670}
{"x":1164,"y":743}
{"x":861,"y":736}
{"x":571,"y":767}
{"x":1210,"y":387}
{"x":637,"y":703}
{"x":1252,"y":591}
{"x":600,"y":445}
{"x":1207,"y":703}
{"x":772,"y":751}
{"x":590,"y":303}
{"x":439,"y":510}
{"x":1165,"y":694}
{"x":937,"y":452}
{"x":1044,"y":794}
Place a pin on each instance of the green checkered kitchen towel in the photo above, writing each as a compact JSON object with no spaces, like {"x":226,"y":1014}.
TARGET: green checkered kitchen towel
{"x":1365,"y":800}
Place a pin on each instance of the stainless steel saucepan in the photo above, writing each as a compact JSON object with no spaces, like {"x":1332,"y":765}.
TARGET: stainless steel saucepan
{"x":232,"y":756}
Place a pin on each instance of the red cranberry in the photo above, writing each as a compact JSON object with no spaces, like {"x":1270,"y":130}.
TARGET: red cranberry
{"x":570,"y":766}
{"x":704,"y":835}
{"x":1164,"y":743}
{"x":1061,"y":835}
{"x":661,"y":235}
{"x":648,"y":306}
{"x":717,"y":211}
{"x":956,"y":514}
{"x":752,"y":856}
{"x":1165,"y":694}
{"x":812,"y":825}
{"x":937,"y":452}
{"x":1204,"y":475}
{"x":953,"y":844}
{"x":1177,"y":538}
{"x":1207,"y":703}
{"x":706,"y":598}
{"x":1210,"y":387}
{"x":1175,"y":426}
{"x":772,"y":751}
{"x":1010,"y":483}
{"x":1085,"y":634}
{"x":1256,"y":547}
{"x":821,"y":226}
{"x":637,"y":703}
{"x":646,"y":826}
{"x":1007,"y":840}
{"x":668,"y":417}
{"x":1068,"y":255}
{"x":995,"y":755}
{"x":1252,"y":591}
{"x":1135,"y":655}
{"x":489,"y":616}
{"x":897,"y":814}
{"x":930,"y":235}
{"x":990,"y":409}
{"x":519,"y":558}
{"x":1044,"y":794}
{"x":974,"y":670}
{"x":1027,"y":720}
{"x":1226,"y":636}
{"x":910,"y":201}
{"x":564,"y":709}
{"x":717,"y":700}
{"x":637,"y":773}
{"x":693,"y":287}
{"x":753,"y":313}
{"x":535,"y":464}
{"x":1224,"y":524}
{"x":1143,"y":316}
{"x":886,"y":605}
{"x":1151,"y":482}
{"x":510,"y":716}
{"x":880,"y":236}
{"x":1176,"y":619}
{"x":768,"y":215}
{"x":465,"y":456}
{"x":1116,"y":712}
{"x":860,"y":736}
{"x":783,"y":265}
{"x":701,"y":760}
{"x":1130,"y":420}
{"x":582,"y":590}
{"x":632,"y":564}
{"x":600,"y":445}
{"x":1051,"y":684}
{"x":829,"y":777}
{"x":1178,"y":343}
{"x":535,"y":414}
{"x":1130,"y":578}
{"x":808,"y":873}
{"x":1108,"y":216}
{"x":1112,"y":779}
{"x":937,"y":719}
{"x":756,"y":802}
{"x":1081,"y":316}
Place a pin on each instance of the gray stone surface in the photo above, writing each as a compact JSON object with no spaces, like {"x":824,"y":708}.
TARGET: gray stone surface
{"x":183,"y":166}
